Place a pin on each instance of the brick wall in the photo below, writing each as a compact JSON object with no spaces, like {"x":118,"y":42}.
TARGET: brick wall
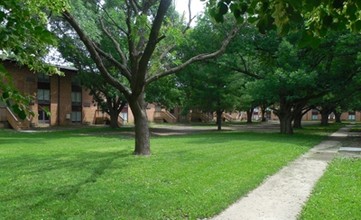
{"x":89,"y":107}
{"x":65,"y":98}
{"x":60,"y":104}
{"x":25,"y":81}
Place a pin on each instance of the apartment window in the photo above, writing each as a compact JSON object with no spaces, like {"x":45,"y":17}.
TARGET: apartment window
{"x":76,"y":116}
{"x":43,"y":95}
{"x":76,"y":98}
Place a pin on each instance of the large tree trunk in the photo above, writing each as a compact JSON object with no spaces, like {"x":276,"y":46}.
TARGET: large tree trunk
{"x":325,"y":112}
{"x":297,"y":121}
{"x":219,"y":119}
{"x":286,"y":123}
{"x":249,"y":115}
{"x":142,"y":137}
{"x":285,"y":116}
{"x":324,"y":118}
{"x":337,"y":117}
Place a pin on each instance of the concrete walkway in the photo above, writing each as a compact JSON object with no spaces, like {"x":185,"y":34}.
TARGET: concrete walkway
{"x":282,"y":195}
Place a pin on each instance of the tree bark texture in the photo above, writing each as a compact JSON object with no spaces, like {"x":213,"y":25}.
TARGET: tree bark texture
{"x":286,"y":124}
{"x":142,"y":135}
{"x":285,"y":116}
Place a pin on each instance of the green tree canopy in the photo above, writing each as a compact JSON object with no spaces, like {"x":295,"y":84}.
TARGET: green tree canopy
{"x":314,"y":18}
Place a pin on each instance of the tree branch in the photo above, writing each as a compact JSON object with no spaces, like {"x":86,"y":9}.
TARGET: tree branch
{"x":123,"y":69}
{"x":117,"y":45}
{"x":131,"y":46}
{"x":94,"y":54}
{"x":134,"y":6}
{"x":197,"y":58}
{"x":190,"y":18}
{"x":152,"y":42}
{"x":115,"y":23}
{"x":244,"y":71}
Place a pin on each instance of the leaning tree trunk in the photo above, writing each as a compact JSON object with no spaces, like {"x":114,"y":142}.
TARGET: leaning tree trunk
{"x":219,"y":119}
{"x":142,"y":136}
{"x":249,"y":116}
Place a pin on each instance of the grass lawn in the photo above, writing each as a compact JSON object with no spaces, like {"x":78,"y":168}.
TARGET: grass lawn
{"x":91,"y":174}
{"x":337,"y":195}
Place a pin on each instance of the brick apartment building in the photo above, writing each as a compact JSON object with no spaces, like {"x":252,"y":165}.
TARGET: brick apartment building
{"x":67,"y":102}
{"x":314,"y":115}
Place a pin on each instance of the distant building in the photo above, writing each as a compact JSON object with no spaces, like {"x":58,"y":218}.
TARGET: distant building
{"x":314,"y":115}
{"x":61,"y":100}
{"x":61,"y":96}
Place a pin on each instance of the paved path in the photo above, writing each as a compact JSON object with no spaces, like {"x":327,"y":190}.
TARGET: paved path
{"x":282,"y":195}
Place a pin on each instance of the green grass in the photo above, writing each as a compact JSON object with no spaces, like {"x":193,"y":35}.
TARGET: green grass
{"x":337,"y":195}
{"x":91,"y":173}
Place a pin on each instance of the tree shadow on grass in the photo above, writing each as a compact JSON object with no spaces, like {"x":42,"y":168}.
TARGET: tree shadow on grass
{"x":91,"y":166}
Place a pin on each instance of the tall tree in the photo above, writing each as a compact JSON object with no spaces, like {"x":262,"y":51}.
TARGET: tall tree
{"x":137,"y":30}
{"x":340,"y":72}
{"x":289,"y":83}
{"x":209,"y":86}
